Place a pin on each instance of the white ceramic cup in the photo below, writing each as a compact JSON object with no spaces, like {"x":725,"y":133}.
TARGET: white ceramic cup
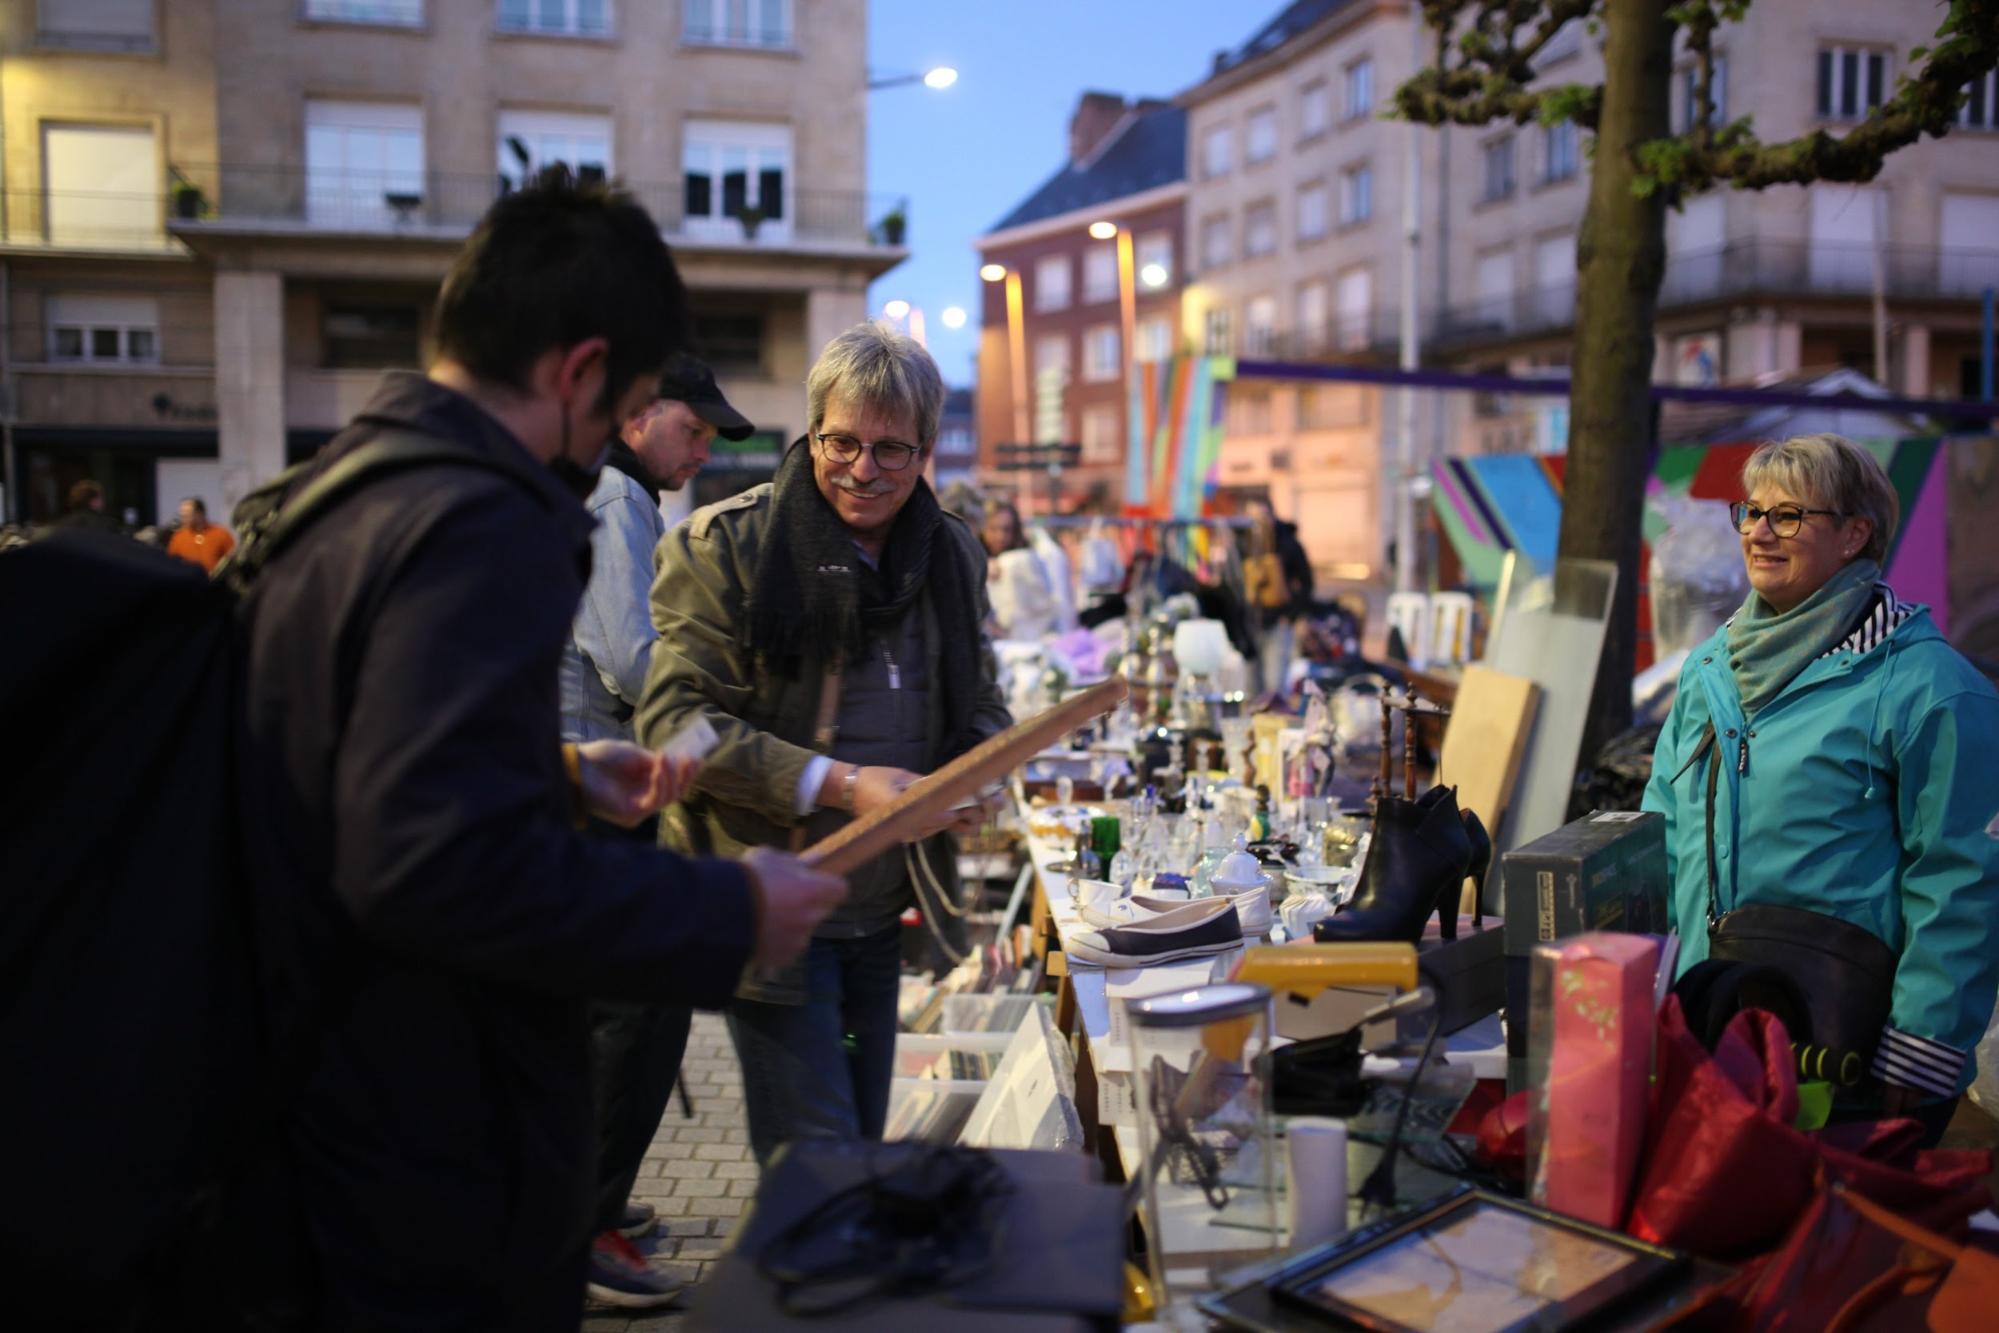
{"x":1096,"y":893}
{"x":1316,"y":1180}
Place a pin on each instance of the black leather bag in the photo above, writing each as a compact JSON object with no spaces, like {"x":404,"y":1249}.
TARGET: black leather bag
{"x":1843,"y":972}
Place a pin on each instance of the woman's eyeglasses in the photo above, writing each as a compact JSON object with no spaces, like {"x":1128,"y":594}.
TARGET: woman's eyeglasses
{"x":1784,"y":519}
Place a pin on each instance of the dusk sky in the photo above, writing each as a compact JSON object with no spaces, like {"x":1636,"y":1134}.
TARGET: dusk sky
{"x":966,"y":155}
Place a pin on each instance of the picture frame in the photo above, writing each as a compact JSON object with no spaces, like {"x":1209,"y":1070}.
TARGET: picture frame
{"x":1517,"y":1266}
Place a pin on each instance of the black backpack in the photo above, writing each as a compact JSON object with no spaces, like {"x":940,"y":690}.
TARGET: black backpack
{"x":136,"y":1078}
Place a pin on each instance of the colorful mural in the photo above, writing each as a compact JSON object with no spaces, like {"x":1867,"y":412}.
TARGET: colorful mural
{"x":1493,"y":504}
{"x":1176,"y":435}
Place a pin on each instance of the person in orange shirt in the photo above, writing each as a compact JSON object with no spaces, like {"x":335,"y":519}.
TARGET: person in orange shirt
{"x":199,"y":540}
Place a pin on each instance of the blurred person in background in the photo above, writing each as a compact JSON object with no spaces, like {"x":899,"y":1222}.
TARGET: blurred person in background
{"x":197,"y":540}
{"x":635,"y":1047}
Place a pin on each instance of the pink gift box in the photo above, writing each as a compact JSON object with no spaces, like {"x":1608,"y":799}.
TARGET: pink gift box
{"x":1599,"y":1024}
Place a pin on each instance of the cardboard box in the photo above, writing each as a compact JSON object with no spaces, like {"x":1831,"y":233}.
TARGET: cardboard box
{"x":1605,"y":871}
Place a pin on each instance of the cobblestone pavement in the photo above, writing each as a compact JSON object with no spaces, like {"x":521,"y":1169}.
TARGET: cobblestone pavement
{"x":698,"y":1174}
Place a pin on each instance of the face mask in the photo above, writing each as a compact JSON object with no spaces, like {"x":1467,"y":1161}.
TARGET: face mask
{"x":578,"y":480}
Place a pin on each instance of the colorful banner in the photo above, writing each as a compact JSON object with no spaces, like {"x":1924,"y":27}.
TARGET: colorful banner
{"x":1175,"y":443}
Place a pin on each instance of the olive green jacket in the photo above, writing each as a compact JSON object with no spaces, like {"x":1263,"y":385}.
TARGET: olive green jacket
{"x":746,"y":794}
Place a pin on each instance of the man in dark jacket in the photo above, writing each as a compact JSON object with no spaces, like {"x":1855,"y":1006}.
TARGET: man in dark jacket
{"x":430,"y":917}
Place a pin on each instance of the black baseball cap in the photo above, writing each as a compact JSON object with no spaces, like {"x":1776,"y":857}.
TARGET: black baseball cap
{"x":687,"y":379}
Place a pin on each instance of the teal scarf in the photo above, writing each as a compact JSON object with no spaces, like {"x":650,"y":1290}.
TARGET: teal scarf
{"x":1767,"y":650}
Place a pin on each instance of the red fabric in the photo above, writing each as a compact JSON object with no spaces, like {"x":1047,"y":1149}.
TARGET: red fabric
{"x":1502,"y":1137}
{"x":1725,"y":1174}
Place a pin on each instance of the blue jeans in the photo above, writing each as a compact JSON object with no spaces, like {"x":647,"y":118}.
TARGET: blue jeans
{"x":821,"y":1069}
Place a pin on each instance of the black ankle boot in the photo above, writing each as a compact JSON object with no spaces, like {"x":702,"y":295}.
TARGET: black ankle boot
{"x":1481,"y":863}
{"x":1416,"y":861}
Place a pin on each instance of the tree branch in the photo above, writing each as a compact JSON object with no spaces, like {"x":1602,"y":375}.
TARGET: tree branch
{"x":1925,"y":103}
{"x":1489,"y":81}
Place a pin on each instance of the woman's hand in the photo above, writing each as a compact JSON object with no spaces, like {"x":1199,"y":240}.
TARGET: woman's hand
{"x":624,"y":784}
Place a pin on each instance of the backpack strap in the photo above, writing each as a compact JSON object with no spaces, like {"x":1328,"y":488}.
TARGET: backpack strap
{"x":272,"y":516}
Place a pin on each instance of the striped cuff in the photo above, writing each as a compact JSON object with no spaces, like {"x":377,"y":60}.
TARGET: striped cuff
{"x":1916,"y":1062}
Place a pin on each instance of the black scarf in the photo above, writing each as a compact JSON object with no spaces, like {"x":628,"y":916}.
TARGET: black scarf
{"x":622,"y":459}
{"x":814,"y":596}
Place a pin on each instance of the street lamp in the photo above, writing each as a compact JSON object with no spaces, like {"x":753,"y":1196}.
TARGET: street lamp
{"x":1016,"y":342}
{"x":953,"y":317}
{"x":938,"y":77}
{"x":1102,"y":231}
{"x":1154,"y":275}
{"x":896,"y":309}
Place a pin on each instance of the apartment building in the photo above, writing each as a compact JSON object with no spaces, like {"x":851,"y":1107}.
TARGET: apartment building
{"x":1765,"y":284}
{"x":1065,"y":284}
{"x":225,"y":217}
{"x":1295,"y":217}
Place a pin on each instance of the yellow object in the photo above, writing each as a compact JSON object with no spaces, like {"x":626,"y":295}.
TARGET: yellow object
{"x":1139,"y":1302}
{"x":1308,"y":969}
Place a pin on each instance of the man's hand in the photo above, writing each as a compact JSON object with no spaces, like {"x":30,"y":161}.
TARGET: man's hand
{"x":976,"y":816}
{"x":794,"y":900}
{"x":625,"y":783}
{"x":873,"y":788}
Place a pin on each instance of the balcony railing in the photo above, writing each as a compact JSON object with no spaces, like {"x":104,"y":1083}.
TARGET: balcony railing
{"x":392,"y":202}
{"x":1340,"y":338}
{"x":1756,"y":267}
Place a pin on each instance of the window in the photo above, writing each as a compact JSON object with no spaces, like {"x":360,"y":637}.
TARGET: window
{"x":1356,"y":194}
{"x":1215,"y":152}
{"x":1315,"y":110}
{"x":1249,"y":410}
{"x":760,"y":23}
{"x":1215,"y":241}
{"x":1260,"y":143}
{"x":363,"y":163}
{"x":396,"y":13}
{"x":1330,"y":406}
{"x":562,"y":18}
{"x":1313,"y":211}
{"x":1555,"y":278}
{"x":1360,"y":89}
{"x":1051,"y":380}
{"x":118,"y":329}
{"x":1259,"y":326}
{"x":1850,"y":82}
{"x":1981,"y":106}
{"x":1558,"y":152}
{"x":1312,"y":328}
{"x":1689,"y":95}
{"x":1968,"y":236}
{"x":1354,"y":300}
{"x":736,"y":170}
{"x":95,"y":25}
{"x":1155,"y":339}
{"x":1102,"y":357}
{"x":1843,"y":232}
{"x":1259,"y":230}
{"x":370,"y":337}
{"x":730,"y":339}
{"x":1215,"y":331}
{"x":1100,"y":273}
{"x":1498,"y":154}
{"x":1051,"y":283}
{"x":1100,"y":434}
{"x":1154,"y":248}
{"x":103,"y":186}
{"x":1492,"y":288}
{"x":583,"y":143}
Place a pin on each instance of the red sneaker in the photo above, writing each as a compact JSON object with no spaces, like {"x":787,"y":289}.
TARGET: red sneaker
{"x":620,"y":1276}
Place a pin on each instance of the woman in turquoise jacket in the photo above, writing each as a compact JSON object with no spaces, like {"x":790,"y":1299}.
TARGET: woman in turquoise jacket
{"x":1858,"y":764}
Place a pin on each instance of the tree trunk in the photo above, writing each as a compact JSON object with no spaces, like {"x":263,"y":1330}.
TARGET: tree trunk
{"x":1621,"y":255}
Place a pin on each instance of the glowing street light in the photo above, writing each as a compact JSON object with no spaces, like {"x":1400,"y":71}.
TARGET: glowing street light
{"x":1153,"y":275}
{"x":896,"y":309}
{"x":953,"y":317}
{"x":940,"y":78}
{"x":1103,"y":231}
{"x":992,"y":272}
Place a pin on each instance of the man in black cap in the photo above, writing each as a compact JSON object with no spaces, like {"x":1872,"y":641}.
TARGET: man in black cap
{"x":636,"y":1047}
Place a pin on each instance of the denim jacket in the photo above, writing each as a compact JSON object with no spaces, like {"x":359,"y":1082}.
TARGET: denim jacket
{"x":603,"y":667}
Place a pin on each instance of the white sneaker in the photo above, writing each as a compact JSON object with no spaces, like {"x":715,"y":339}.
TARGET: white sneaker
{"x":1252,"y":910}
{"x":1206,"y":926}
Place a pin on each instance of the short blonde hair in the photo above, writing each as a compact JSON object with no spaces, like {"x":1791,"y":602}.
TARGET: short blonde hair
{"x":1830,"y":472}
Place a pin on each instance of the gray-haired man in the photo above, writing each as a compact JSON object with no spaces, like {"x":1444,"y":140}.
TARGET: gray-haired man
{"x":828,"y":626}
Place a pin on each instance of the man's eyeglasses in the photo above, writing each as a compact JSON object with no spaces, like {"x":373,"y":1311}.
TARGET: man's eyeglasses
{"x":1784,"y":519}
{"x":890,"y":455}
